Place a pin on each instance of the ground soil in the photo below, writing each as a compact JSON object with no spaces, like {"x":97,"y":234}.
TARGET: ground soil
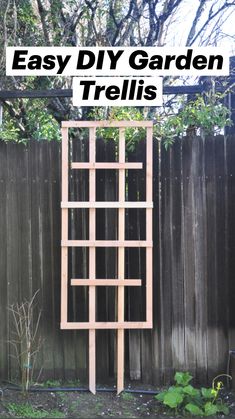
{"x":55,"y":405}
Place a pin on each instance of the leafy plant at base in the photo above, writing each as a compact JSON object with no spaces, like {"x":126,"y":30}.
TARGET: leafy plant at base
{"x":184,"y":397}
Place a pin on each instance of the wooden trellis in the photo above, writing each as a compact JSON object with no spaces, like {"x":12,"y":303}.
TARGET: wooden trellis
{"x":92,"y":243}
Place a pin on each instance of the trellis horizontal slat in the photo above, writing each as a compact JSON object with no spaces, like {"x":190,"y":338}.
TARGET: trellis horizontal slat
{"x":106,"y":243}
{"x":106,"y":282}
{"x":104,"y":165}
{"x":107,"y":124}
{"x":106,"y":325}
{"x":106,"y":204}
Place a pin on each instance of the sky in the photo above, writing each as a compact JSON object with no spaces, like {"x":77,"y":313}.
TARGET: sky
{"x":181,"y":26}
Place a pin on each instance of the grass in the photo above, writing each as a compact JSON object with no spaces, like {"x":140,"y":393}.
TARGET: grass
{"x":63,"y":396}
{"x":52,"y":383}
{"x":74,"y":406}
{"x":60,"y":383}
{"x":25,"y":410}
{"x":127,"y":396}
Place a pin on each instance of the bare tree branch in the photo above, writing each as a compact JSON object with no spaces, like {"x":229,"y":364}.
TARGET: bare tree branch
{"x":198,"y":14}
{"x":211,"y":16}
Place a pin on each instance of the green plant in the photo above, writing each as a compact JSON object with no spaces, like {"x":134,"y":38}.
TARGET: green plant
{"x":183,"y":397}
{"x":56,"y":414}
{"x":205,"y":113}
{"x":52,"y":383}
{"x":127,"y":396}
{"x":132,"y":135}
{"x":38,"y":124}
{"x":9,"y":132}
{"x":71,"y":383}
{"x":25,"y":410}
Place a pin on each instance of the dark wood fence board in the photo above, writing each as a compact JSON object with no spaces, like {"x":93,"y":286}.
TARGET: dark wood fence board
{"x":45,"y":252}
{"x":165,"y":324}
{"x":34,"y":239}
{"x":231,"y":236}
{"x":133,"y":271}
{"x":176,"y":258}
{"x":156,"y":343}
{"x":221,"y":251}
{"x":211,"y":245}
{"x":13,"y":247}
{"x":194,"y":246}
{"x":3,"y":263}
{"x":55,"y":191}
{"x":188,"y":256}
{"x":200,"y":259}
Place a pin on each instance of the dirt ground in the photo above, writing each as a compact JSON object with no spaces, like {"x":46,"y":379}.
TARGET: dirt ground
{"x":55,"y":405}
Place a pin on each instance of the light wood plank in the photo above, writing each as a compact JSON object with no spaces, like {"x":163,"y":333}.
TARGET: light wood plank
{"x":120,"y":360}
{"x":104,"y":165}
{"x":107,"y":282}
{"x":106,"y":325}
{"x":106,"y":243}
{"x":149,"y":226}
{"x":92,"y":359}
{"x":121,"y":264}
{"x":64,"y":227}
{"x":117,"y":124}
{"x":106,"y":204}
{"x":92,"y":264}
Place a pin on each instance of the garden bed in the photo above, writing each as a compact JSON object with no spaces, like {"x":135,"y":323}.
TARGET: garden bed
{"x":60,"y":404}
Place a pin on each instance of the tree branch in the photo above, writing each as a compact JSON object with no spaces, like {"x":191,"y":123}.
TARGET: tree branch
{"x":43,"y":14}
{"x":199,"y":12}
{"x":211,"y":16}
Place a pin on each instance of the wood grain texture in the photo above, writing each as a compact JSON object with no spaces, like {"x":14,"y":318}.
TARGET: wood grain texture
{"x":106,"y":204}
{"x":92,"y":263}
{"x":178,"y":325}
{"x":106,"y":243}
{"x":108,"y":124}
{"x":149,"y":225}
{"x":105,"y":165}
{"x":105,"y":325}
{"x":64,"y":227}
{"x":107,"y":282}
{"x":121,"y":263}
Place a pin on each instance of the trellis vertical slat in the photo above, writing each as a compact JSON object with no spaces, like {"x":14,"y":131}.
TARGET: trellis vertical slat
{"x":149,"y":222}
{"x":64,"y":232}
{"x":92,"y":263}
{"x":121,"y":264}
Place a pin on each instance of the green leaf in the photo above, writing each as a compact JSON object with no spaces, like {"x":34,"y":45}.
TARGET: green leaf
{"x":173,"y":399}
{"x":183,"y":378}
{"x":207,"y":393}
{"x":160,"y":396}
{"x":191,"y":391}
{"x":194,"y":409}
{"x":210,"y":409}
{"x":176,"y":389}
{"x":221,"y":407}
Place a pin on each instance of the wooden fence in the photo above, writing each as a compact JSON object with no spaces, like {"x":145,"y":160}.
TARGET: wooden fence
{"x":194,"y":259}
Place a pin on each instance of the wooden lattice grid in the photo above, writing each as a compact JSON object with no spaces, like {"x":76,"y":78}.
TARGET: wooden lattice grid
{"x":92,"y":243}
